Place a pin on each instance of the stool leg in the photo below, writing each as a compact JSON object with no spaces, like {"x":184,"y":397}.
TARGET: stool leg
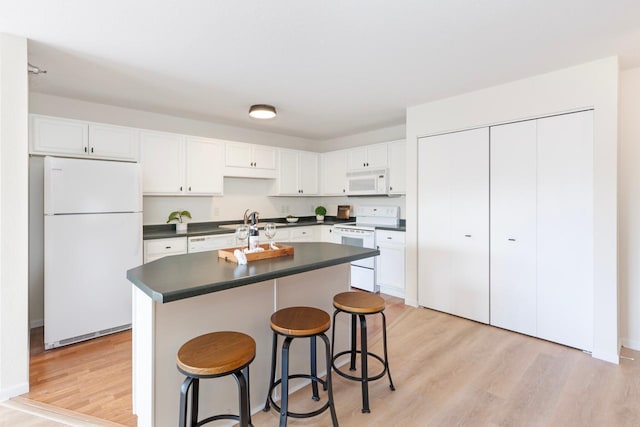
{"x":195,"y":398}
{"x":284,"y":399}
{"x":184,"y":391}
{"x":243,"y":398}
{"x":333,"y":336}
{"x":364,"y":364}
{"x":352,"y":366}
{"x":274,"y":355}
{"x":386,"y":357}
{"x":245,"y":371}
{"x":332,"y":408}
{"x":314,"y":368}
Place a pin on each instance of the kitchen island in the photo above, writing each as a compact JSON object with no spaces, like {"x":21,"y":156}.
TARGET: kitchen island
{"x":179,"y":297}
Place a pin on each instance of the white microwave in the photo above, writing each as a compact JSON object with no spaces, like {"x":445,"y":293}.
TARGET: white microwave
{"x":366,"y":183}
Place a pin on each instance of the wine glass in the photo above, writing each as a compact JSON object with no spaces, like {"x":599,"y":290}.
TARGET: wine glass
{"x":242,"y":232}
{"x":270,"y":231}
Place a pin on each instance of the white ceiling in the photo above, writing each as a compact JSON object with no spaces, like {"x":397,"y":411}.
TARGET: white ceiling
{"x":331,"y":67}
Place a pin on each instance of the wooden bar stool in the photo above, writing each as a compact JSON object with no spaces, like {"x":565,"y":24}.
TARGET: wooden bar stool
{"x":361,"y":304}
{"x":300,"y":322}
{"x":215,"y":355}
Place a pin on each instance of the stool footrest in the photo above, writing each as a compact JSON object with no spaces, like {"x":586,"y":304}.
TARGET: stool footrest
{"x":220,"y":417}
{"x":360,"y":378}
{"x":299,"y":414}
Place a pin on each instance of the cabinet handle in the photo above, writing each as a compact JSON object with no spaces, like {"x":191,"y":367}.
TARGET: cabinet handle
{"x":378,"y":247}
{"x":467,"y":235}
{"x":364,"y":164}
{"x":167,"y":247}
{"x":92,"y":149}
{"x":85,"y":149}
{"x":390,"y":188}
{"x":511,"y":240}
{"x":344,"y":191}
{"x":181,"y":188}
{"x":189,"y":188}
{"x":367,"y":163}
{"x":389,"y":238}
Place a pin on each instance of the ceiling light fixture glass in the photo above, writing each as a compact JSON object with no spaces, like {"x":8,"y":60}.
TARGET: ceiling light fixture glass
{"x":262,"y":111}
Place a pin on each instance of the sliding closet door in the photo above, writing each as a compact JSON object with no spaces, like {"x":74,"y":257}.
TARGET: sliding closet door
{"x":453,"y":223}
{"x":565,"y":229}
{"x":513,"y":226}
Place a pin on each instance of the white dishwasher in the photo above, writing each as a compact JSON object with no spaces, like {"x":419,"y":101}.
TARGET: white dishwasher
{"x":211,"y":242}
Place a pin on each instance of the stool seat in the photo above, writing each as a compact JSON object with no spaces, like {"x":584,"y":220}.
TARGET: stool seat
{"x":216,"y":354}
{"x":300,"y":321}
{"x":359,"y":302}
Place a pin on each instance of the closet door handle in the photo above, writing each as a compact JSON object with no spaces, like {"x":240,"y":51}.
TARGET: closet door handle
{"x":511,"y":240}
{"x":467,"y":235}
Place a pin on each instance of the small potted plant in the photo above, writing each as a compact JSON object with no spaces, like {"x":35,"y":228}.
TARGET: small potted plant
{"x":321,"y":211}
{"x":181,"y":226}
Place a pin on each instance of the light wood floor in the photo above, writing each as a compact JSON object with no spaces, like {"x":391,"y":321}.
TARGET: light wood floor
{"x":447,"y":371}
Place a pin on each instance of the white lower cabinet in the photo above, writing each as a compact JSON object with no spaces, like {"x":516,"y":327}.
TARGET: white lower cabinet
{"x":391,"y":262}
{"x":158,"y":248}
{"x":303,"y":234}
{"x":541,"y":226}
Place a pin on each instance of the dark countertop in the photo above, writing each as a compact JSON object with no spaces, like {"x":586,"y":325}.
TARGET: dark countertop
{"x":178,"y":277}
{"x":163,"y":231}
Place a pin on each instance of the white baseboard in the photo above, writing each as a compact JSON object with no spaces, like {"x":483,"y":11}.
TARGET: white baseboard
{"x":631,"y":344}
{"x":394,"y":292}
{"x":411,"y":302}
{"x":36,"y":323}
{"x":17,"y":390}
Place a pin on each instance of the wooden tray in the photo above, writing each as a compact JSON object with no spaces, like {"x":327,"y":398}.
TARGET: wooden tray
{"x":283,"y":250}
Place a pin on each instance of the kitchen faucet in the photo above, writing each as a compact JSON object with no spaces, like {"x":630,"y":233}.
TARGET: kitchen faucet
{"x":246,"y":216}
{"x":253,"y":216}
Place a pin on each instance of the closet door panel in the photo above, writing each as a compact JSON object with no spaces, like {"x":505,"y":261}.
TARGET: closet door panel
{"x":435,"y":223}
{"x":454,"y":223}
{"x":513,"y":226}
{"x":565,"y":229}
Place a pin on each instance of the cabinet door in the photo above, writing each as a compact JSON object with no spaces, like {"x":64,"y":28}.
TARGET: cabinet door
{"x":59,"y":136}
{"x":303,"y":234}
{"x":377,"y":156}
{"x":397,"y":166}
{"x":162,"y":158}
{"x":390,"y":264}
{"x":334,"y":173}
{"x":513,"y":226}
{"x":453,"y":227}
{"x":238,"y":155}
{"x":357,"y":158}
{"x":565,"y":229}
{"x":264,"y":157}
{"x":288,"y":173}
{"x":204,"y":166}
{"x":308,"y":173}
{"x":113,"y":142}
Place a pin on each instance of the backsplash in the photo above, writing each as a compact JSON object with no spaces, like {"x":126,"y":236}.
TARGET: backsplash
{"x":244,"y":193}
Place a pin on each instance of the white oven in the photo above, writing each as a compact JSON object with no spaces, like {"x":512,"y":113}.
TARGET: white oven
{"x":363,"y":274}
{"x":362,"y":233}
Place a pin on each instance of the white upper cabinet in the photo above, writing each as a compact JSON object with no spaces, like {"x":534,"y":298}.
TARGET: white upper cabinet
{"x":297,"y":173}
{"x":368,"y":157}
{"x":76,"y":138}
{"x":177,"y":165}
{"x":334,"y":173}
{"x":162,"y":158}
{"x":205,"y":159}
{"x":397,"y":166}
{"x":250,"y":160}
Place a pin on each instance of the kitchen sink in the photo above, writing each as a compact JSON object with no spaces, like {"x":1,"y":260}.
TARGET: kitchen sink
{"x":260,"y":225}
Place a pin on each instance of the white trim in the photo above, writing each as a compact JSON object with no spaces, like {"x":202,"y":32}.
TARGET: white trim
{"x":16,"y":390}
{"x":631,"y":344}
{"x":36,"y":323}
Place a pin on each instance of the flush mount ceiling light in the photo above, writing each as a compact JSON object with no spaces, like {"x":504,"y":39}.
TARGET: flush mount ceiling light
{"x":262,"y":111}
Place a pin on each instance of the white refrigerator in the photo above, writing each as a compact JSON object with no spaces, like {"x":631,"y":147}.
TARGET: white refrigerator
{"x":92,"y":236}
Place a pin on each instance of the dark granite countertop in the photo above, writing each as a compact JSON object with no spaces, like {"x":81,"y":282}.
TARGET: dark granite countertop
{"x":178,"y":277}
{"x":163,"y":231}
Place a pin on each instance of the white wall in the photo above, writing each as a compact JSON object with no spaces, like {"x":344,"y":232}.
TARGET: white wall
{"x":14,"y":327}
{"x":629,"y":208}
{"x":386,"y":134}
{"x":594,"y":84}
{"x":40,"y":103}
